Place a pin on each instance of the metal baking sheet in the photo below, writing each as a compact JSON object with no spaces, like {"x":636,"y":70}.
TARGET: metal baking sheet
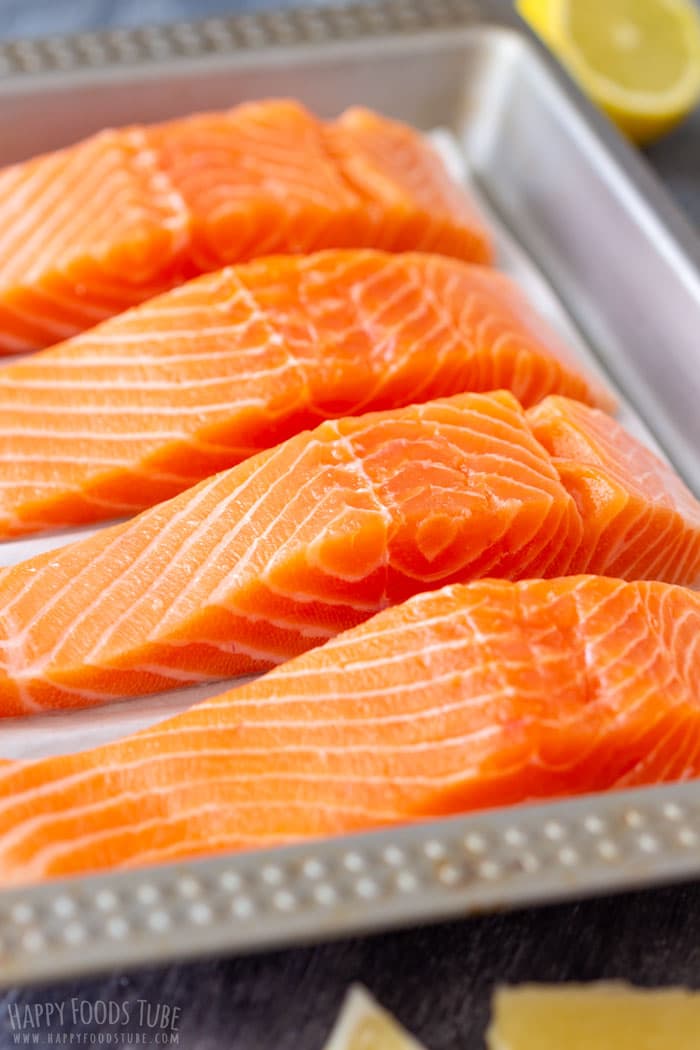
{"x":57,"y":733}
{"x":588,"y":233}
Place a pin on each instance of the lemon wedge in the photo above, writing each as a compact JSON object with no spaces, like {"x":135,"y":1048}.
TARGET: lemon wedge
{"x":604,"y":1016}
{"x":637,"y":59}
{"x":364,"y":1025}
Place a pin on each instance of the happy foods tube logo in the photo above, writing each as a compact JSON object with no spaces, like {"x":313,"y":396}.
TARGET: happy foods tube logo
{"x":99,"y":1022}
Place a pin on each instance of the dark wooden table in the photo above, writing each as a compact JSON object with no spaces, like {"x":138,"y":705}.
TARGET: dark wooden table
{"x":438,"y":980}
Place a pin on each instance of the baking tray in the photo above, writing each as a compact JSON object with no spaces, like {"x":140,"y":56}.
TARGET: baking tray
{"x":603,"y":254}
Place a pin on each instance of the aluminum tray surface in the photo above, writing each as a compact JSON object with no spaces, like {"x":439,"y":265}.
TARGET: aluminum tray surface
{"x":587,"y":231}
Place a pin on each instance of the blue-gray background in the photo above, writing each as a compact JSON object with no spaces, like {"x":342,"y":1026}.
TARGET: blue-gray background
{"x":34,"y":17}
{"x":439,"y":979}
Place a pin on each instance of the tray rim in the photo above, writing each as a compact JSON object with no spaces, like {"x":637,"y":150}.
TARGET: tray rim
{"x":371,"y":882}
{"x":303,"y":25}
{"x":412,"y":874}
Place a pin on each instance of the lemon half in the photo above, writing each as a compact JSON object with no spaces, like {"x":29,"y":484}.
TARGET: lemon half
{"x":605,"y":1016}
{"x":637,"y":59}
{"x":364,"y":1025}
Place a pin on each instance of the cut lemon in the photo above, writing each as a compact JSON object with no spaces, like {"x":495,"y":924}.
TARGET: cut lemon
{"x":638,"y":59}
{"x":364,"y":1025}
{"x":594,"y":1017}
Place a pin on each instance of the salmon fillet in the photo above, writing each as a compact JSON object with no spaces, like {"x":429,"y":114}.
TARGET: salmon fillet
{"x":296,"y":544}
{"x":473,"y":696}
{"x":90,"y":230}
{"x":639,"y":518}
{"x":150,"y":402}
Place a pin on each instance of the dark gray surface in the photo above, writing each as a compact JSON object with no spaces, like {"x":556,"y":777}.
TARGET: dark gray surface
{"x":437,"y":980}
{"x":676,"y":160}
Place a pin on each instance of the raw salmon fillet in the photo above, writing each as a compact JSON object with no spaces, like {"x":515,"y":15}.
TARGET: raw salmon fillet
{"x":283,"y":551}
{"x":90,"y":230}
{"x":296,"y":544}
{"x":150,"y":402}
{"x":472,"y":696}
{"x":639,"y":518}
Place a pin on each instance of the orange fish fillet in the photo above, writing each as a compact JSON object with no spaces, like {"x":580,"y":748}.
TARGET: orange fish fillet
{"x":473,"y":696}
{"x":152,"y":401}
{"x":639,"y":518}
{"x":296,"y":544}
{"x":90,"y":230}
